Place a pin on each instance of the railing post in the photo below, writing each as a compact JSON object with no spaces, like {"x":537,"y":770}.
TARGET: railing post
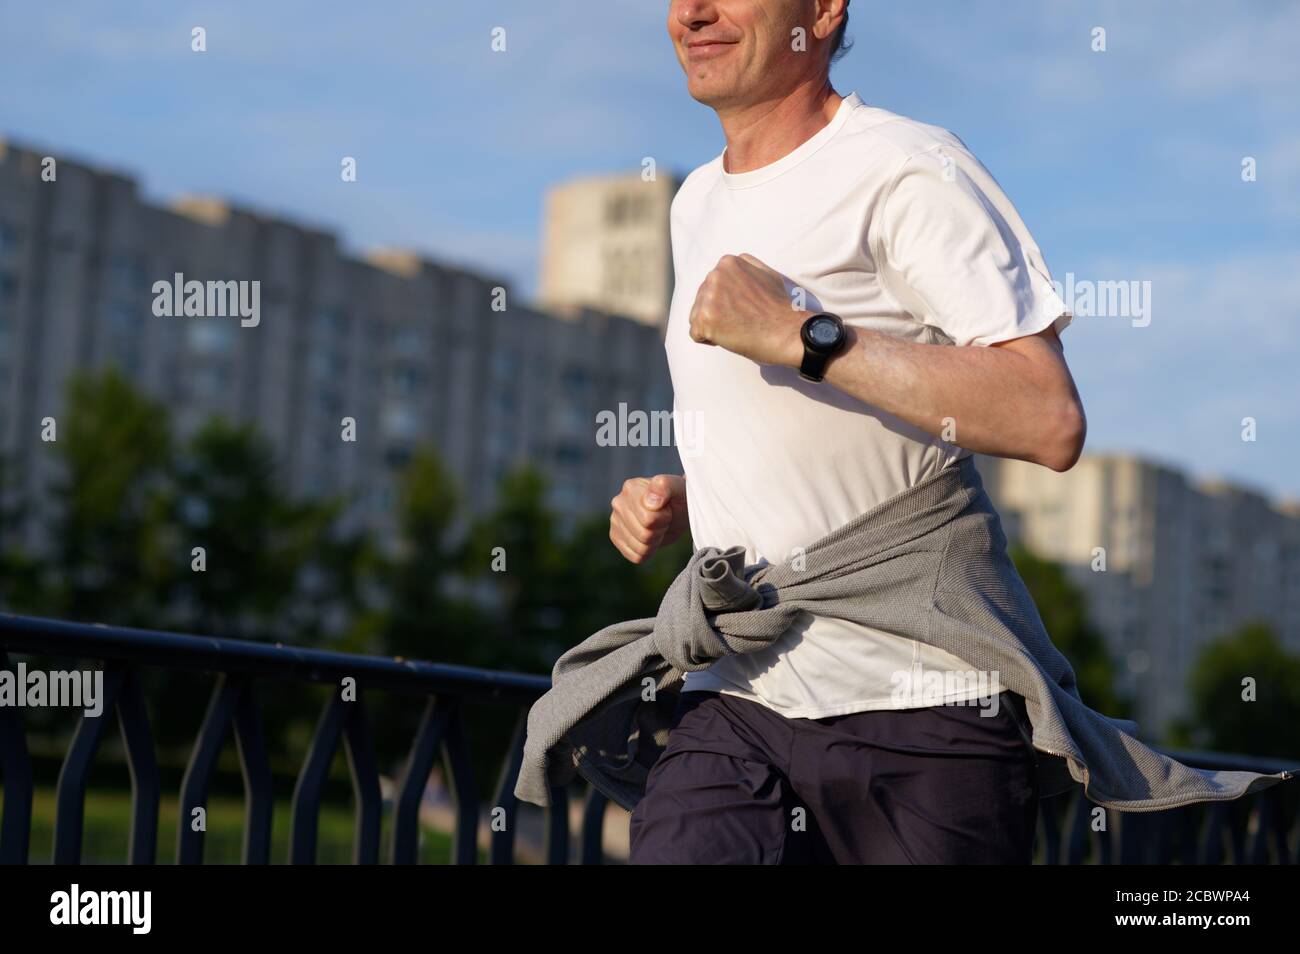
{"x":70,"y":796}
{"x":415,"y":777}
{"x":146,"y":790}
{"x":202,"y":765}
{"x":16,"y":763}
{"x":311,"y":781}
{"x":501,"y":845}
{"x":256,"y":768}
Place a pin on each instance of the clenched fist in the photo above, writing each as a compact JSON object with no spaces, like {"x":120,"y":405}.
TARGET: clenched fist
{"x":648,"y":514}
{"x":742,"y":306}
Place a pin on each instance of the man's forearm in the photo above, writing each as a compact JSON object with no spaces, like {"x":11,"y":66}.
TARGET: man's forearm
{"x":1002,"y":401}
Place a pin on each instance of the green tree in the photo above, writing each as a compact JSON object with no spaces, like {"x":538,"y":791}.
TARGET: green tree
{"x":1064,"y":612}
{"x":418,"y":615}
{"x":259,"y":545}
{"x":114,"y":447}
{"x":19,"y":573}
{"x":1220,"y":719}
{"x":599,"y":586}
{"x":517,"y":550}
{"x":518,"y":546}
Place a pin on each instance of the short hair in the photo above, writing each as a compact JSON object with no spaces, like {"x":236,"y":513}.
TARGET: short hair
{"x":838,"y":48}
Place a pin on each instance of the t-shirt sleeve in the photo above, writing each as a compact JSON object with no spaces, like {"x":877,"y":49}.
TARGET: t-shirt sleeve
{"x":954,"y":250}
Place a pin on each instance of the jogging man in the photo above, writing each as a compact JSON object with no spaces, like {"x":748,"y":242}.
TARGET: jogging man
{"x":937,"y":337}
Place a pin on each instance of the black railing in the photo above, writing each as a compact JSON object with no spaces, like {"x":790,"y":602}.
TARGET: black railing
{"x":240,"y":667}
{"x":1257,"y":829}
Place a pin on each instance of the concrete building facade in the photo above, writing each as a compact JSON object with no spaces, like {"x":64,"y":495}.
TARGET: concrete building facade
{"x":413,"y":351}
{"x":606,"y":245}
{"x":1167,"y":565}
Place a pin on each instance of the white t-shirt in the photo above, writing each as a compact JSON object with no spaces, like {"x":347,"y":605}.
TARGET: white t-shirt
{"x":895,"y":226}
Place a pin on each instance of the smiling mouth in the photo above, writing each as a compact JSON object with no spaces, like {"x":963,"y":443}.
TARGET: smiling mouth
{"x":706,"y":49}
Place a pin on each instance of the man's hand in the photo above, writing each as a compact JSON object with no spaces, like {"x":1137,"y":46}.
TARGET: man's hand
{"x":647,"y":515}
{"x":742,"y":306}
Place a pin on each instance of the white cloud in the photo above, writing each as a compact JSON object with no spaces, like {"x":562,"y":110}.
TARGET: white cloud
{"x":1222,"y":345}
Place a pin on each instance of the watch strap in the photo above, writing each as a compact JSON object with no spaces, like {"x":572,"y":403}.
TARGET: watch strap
{"x":813,"y":366}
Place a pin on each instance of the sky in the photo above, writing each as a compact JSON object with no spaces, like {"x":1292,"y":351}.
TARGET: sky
{"x":1125,"y":162}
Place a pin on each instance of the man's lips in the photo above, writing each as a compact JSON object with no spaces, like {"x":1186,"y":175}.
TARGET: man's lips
{"x":703,"y":48}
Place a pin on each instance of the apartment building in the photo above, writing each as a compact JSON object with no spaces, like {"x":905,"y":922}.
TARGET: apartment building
{"x":411,"y":350}
{"x":606,"y":245}
{"x":1167,"y":564}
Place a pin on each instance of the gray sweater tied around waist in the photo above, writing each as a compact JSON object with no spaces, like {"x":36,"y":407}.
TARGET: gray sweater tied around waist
{"x":930,"y":564}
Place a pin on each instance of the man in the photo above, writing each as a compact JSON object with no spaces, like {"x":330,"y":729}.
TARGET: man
{"x":942,"y":342}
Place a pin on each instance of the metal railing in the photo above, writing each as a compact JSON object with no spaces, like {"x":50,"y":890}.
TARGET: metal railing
{"x":1256,"y":829}
{"x":1260,"y":828}
{"x":241,"y":667}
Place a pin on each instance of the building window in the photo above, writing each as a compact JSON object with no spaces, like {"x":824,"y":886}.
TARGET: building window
{"x":327,"y":365}
{"x":626,"y":209}
{"x":318,"y":482}
{"x":210,"y":336}
{"x":506,"y":400}
{"x":569,"y":455}
{"x":210,"y":381}
{"x":505,"y":365}
{"x":331,"y":321}
{"x":8,"y":241}
{"x":400,"y":421}
{"x":500,"y":445}
{"x":397,"y":458}
{"x":408,"y":341}
{"x":575,"y":420}
{"x":126,"y":273}
{"x":577,"y":382}
{"x":405,"y":380}
{"x":381,"y":499}
{"x":565,"y":496}
{"x":329,"y":403}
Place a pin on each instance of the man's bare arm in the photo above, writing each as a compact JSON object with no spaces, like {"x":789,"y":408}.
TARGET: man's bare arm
{"x":1011,"y":399}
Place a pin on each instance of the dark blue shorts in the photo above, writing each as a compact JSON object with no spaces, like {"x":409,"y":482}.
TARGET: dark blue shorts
{"x":741,"y":784}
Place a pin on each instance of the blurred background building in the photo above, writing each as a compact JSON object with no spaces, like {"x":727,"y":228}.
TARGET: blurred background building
{"x":1167,"y":565}
{"x":413,"y":350}
{"x":605,"y":245}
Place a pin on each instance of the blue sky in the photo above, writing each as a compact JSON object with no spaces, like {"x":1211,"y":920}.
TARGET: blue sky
{"x":1125,"y":164}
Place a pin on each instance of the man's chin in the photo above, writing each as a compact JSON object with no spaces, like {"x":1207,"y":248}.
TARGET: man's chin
{"x":709,"y":93}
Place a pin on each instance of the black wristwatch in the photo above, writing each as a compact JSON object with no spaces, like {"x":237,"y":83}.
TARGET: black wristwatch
{"x":823,"y":337}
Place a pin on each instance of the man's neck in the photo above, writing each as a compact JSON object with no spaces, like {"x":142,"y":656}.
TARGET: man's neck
{"x":763,"y":132}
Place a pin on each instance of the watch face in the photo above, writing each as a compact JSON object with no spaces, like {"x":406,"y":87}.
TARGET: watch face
{"x":824,"y":332}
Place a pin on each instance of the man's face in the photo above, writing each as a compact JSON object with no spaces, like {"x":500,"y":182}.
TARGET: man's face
{"x":735,"y":51}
